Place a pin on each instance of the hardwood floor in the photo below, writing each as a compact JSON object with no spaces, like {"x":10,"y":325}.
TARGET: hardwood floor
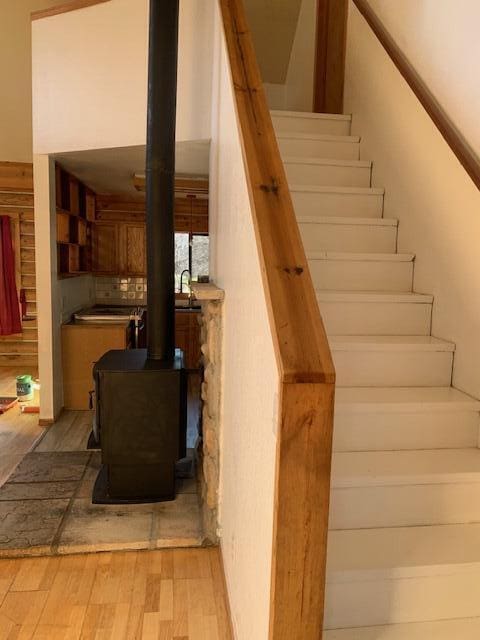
{"x":69,"y":433}
{"x":161,"y":595}
{"x":18,"y":432}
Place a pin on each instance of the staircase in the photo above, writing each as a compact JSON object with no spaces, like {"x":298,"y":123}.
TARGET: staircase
{"x":404,"y":540}
{"x":22,"y":349}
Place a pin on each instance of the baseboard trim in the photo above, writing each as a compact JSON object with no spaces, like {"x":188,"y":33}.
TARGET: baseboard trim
{"x":226,"y":591}
{"x":48,"y":422}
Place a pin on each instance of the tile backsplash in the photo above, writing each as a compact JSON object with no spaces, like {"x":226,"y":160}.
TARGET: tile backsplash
{"x":118,"y":290}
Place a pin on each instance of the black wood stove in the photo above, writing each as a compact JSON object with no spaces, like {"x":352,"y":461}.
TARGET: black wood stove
{"x":141,"y":394}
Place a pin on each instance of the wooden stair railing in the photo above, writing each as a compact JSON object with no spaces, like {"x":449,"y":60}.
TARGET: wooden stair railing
{"x":464,"y":153}
{"x":306,"y":371}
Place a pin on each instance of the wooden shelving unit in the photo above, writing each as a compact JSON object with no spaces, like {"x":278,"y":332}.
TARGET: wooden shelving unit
{"x":75,"y":215}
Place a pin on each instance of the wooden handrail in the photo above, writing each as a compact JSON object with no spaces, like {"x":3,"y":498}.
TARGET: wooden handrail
{"x":306,"y":371}
{"x":300,"y":340}
{"x":464,"y":153}
{"x":65,"y":7}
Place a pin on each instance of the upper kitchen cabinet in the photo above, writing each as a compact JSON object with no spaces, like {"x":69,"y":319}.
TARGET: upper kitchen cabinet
{"x":191,"y":214}
{"x":106,"y":248}
{"x":132,"y":249}
{"x":119,"y":249}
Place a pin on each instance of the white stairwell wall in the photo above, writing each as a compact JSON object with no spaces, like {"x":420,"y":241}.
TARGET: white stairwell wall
{"x":427,"y":190}
{"x":250,"y":381}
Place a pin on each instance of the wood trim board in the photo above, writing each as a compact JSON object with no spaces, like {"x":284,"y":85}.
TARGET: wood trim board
{"x":65,"y":7}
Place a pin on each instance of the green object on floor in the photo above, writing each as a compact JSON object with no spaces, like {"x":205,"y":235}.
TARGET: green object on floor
{"x":24,"y":388}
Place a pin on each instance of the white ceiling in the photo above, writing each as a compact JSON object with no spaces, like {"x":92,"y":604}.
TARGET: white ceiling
{"x":110,"y":171}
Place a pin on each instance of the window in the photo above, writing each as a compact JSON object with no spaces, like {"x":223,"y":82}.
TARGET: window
{"x":200,"y":256}
{"x":192,"y":253}
{"x":182,"y":256}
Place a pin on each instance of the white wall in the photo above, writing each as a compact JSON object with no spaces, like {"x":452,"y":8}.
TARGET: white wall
{"x":48,"y":300}
{"x":250,"y":378}
{"x":426,"y":188}
{"x":300,"y":76}
{"x":90,"y":76}
{"x":296,"y":93}
{"x":56,"y":299}
{"x":441,"y":40}
{"x":16,"y":75}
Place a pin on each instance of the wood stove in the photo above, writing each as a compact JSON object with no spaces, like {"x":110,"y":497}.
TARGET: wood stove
{"x":141,"y":395}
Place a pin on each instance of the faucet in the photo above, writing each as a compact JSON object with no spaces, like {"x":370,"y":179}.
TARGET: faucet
{"x":189,"y":279}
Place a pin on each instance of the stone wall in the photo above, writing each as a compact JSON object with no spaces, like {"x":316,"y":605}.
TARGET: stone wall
{"x":211,"y":339}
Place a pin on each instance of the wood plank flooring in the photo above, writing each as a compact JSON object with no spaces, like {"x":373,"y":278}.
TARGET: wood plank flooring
{"x":18,"y":432}
{"x":150,"y":595}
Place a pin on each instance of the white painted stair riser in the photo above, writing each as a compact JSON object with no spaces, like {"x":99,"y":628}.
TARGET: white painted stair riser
{"x":316,"y":124}
{"x":404,"y":506}
{"x":393,"y":368}
{"x":375,"y":318}
{"x":328,"y":236}
{"x":341,"y":173}
{"x":372,"y":602}
{"x":335,"y":147}
{"x":361,"y":275}
{"x":337,"y":201}
{"x":456,"y":629}
{"x":396,"y":431}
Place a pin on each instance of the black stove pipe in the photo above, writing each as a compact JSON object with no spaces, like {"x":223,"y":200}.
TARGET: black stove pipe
{"x":160,"y":178}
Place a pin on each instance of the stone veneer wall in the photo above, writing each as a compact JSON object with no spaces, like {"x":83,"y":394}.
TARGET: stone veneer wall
{"x":211,"y":339}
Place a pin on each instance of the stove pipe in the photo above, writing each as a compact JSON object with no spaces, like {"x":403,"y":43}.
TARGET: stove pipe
{"x":160,"y":178}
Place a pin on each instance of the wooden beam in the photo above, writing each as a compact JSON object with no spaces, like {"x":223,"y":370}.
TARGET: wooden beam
{"x":65,"y":7}
{"x":304,"y":452}
{"x":187,"y":185}
{"x":330,"y":55}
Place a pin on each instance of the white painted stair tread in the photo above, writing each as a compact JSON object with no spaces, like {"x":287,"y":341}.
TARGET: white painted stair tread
{"x":389,"y":343}
{"x":407,"y":399}
{"x":354,"y":191}
{"x":388,"y":468}
{"x":356,"y":164}
{"x":460,"y":629}
{"x":340,"y":221}
{"x":318,"y":137}
{"x":373,"y":296}
{"x":402,"y":552}
{"x":360,"y":257}
{"x":309,"y":114}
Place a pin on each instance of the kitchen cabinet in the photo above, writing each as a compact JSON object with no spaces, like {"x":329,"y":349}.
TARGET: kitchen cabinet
{"x":82,"y":346}
{"x":132,"y":250}
{"x":119,"y":249}
{"x":187,"y":336}
{"x":105,"y":238}
{"x":75,"y":205}
{"x":191,"y":215}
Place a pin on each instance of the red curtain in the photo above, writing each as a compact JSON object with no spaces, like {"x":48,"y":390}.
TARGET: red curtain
{"x":10,"y":321}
